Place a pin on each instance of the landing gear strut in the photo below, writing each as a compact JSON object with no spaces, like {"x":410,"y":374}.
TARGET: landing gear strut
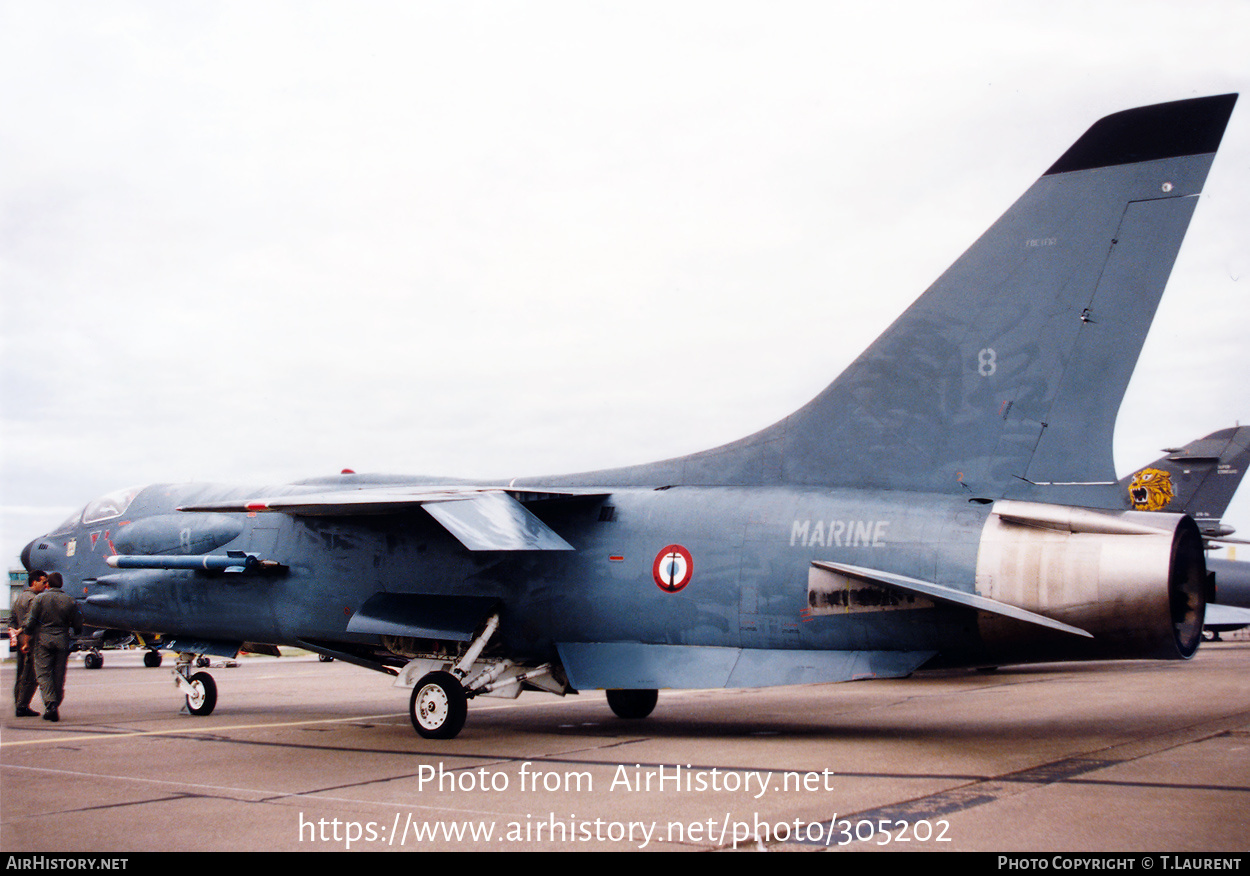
{"x":200,"y":688}
{"x":438,"y":706}
{"x":446,"y":682}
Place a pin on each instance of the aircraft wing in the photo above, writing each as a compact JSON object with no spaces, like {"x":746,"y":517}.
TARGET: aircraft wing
{"x":1225,"y":615}
{"x":482,"y":519}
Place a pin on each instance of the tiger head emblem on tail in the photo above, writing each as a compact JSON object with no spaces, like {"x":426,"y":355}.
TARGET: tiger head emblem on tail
{"x":1151,"y":490}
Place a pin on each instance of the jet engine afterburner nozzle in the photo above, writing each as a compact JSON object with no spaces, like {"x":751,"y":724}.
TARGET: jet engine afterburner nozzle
{"x":1135,"y":580}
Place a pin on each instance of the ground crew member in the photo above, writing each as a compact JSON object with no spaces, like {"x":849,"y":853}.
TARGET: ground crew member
{"x":24,"y":687}
{"x":54,"y":615}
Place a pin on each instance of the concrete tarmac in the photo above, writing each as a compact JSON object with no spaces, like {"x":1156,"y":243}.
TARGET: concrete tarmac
{"x":308,"y":756}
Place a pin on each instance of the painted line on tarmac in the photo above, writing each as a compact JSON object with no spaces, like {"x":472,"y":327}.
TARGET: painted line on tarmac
{"x":103,"y":735}
{"x":264,"y":795}
{"x":1067,"y":770}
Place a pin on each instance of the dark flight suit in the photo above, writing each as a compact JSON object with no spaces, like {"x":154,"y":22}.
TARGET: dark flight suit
{"x":54,"y":614}
{"x":24,"y":687}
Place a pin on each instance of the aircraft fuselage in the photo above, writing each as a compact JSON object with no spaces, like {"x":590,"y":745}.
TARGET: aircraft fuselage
{"x":749,"y":551}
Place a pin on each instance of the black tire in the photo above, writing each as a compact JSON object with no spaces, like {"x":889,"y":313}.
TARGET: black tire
{"x":205,"y":699}
{"x":633,"y":704}
{"x":152,"y":659}
{"x":92,"y":660}
{"x":438,"y":706}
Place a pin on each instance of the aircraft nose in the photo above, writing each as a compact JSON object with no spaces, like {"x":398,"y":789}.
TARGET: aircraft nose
{"x":26,"y":555}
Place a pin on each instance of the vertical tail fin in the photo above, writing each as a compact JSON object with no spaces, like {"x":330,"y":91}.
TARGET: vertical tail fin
{"x":1008,"y":372}
{"x":1198,"y":479}
{"x":1012,"y":366}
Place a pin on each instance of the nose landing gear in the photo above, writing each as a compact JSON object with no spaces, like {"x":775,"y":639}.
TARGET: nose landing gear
{"x":199,"y":688}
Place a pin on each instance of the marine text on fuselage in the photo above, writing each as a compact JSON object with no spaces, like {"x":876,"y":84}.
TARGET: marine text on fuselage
{"x":838,"y":533}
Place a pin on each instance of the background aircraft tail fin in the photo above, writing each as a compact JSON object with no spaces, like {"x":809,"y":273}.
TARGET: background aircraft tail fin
{"x":1198,"y":479}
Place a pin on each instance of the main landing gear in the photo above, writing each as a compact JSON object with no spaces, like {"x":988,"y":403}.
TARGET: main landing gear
{"x":439,"y":703}
{"x":632,"y":703}
{"x":438,"y":706}
{"x":93,"y":659}
{"x":199,"y":687}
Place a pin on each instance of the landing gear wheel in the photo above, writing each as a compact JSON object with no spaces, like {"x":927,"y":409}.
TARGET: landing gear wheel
{"x":203,"y":698}
{"x":92,"y":660}
{"x":438,"y":706}
{"x":152,"y":659}
{"x":632,"y":703}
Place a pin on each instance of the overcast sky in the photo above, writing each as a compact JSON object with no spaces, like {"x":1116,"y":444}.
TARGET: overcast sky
{"x":259,"y":241}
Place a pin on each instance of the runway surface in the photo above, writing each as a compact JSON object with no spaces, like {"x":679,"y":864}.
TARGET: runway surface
{"x":307,"y":756}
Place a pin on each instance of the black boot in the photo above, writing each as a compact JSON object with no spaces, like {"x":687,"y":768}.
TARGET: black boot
{"x":26,"y":712}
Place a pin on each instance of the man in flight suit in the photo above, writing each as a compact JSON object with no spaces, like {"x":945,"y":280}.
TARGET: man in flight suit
{"x":54,"y":615}
{"x":24,"y":688}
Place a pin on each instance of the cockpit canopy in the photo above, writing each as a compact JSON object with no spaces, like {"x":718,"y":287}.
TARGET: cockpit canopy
{"x":106,"y":507}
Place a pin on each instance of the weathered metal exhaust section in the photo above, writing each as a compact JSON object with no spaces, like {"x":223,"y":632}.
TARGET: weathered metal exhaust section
{"x":1135,"y":580}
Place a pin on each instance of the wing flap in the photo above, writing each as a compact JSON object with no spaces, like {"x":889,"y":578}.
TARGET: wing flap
{"x":1225,"y":615}
{"x":495,"y":522}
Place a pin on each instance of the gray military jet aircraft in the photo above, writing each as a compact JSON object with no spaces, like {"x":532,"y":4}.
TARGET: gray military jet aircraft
{"x":1200,"y":479}
{"x":1232,"y":590}
{"x":949,"y":500}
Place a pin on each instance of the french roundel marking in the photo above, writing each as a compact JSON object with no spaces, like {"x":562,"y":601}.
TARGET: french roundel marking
{"x":672,"y":568}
